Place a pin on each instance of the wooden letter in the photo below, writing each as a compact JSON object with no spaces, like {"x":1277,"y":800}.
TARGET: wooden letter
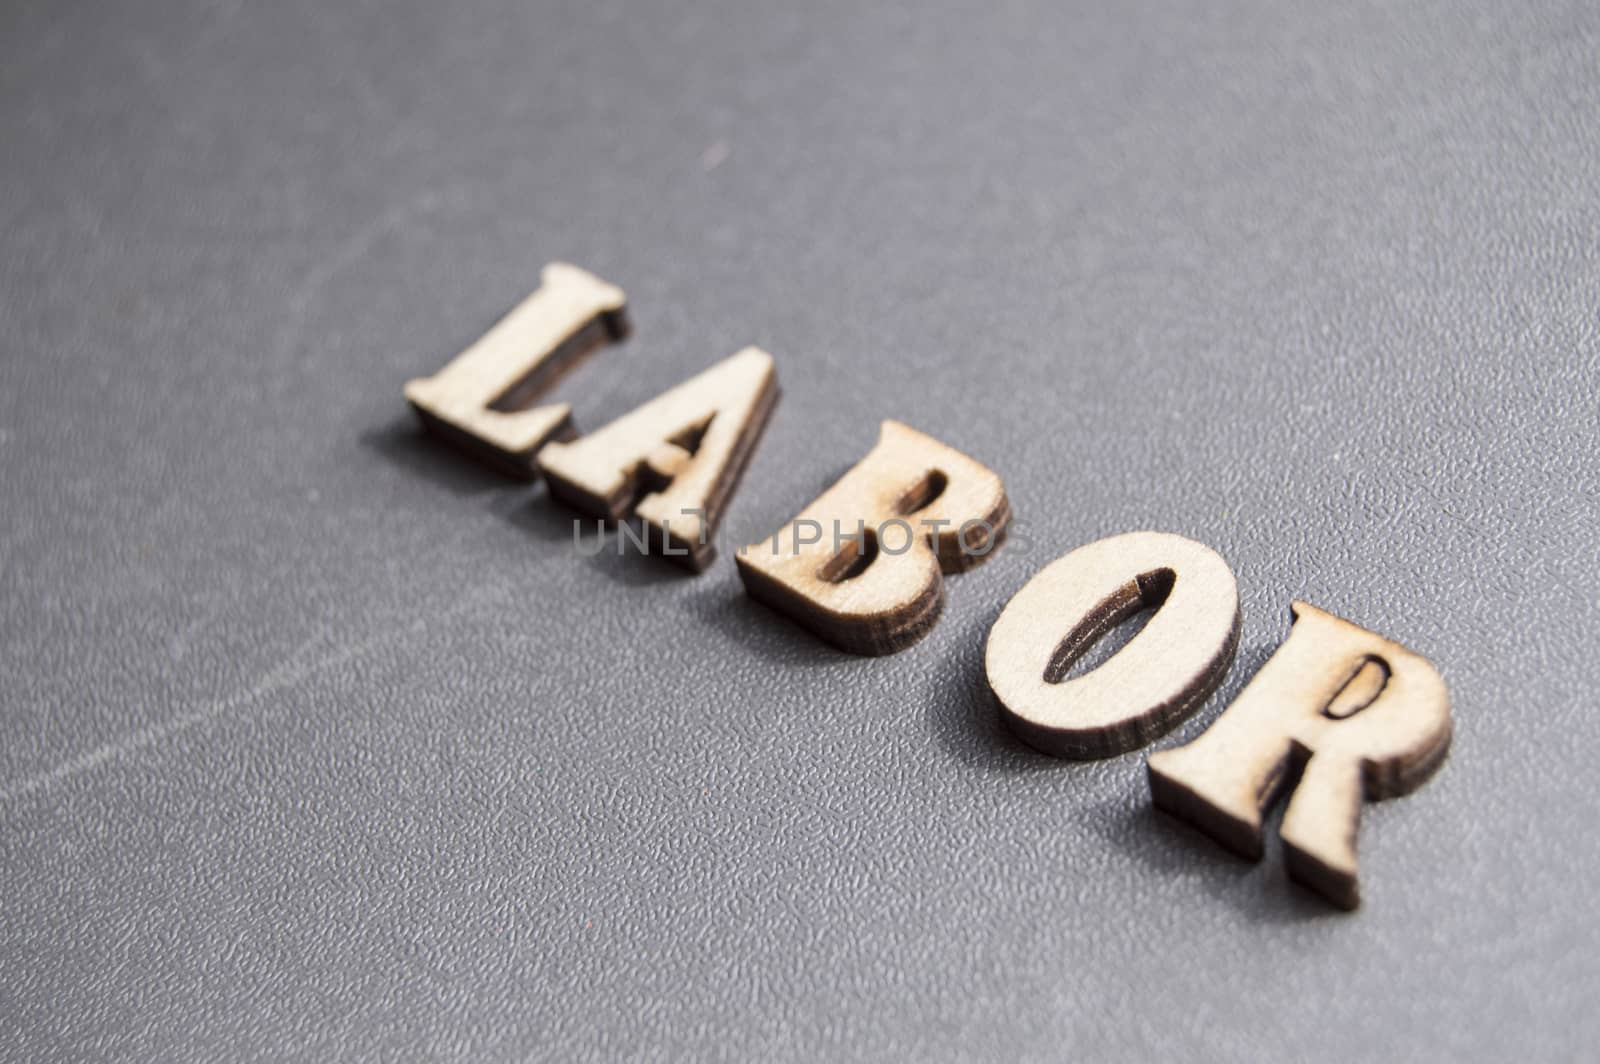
{"x":860,"y":567}
{"x":1164,"y":674}
{"x":1362,"y":717}
{"x":479,"y":402}
{"x":675,"y":460}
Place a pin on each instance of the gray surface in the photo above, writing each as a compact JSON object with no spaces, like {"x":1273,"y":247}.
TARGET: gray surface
{"x":318,"y":743}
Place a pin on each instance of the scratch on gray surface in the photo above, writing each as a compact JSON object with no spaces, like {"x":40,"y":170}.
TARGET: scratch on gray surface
{"x":356,"y":245}
{"x":714,"y":156}
{"x":286,"y":673}
{"x":178,"y":645}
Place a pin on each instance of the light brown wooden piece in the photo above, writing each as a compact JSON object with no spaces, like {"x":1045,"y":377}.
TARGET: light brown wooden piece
{"x":1158,"y":679}
{"x":1365,"y":717}
{"x":479,"y":402}
{"x":903,"y":508}
{"x":674,"y":461}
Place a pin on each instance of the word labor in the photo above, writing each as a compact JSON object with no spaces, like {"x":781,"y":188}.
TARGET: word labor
{"x":1337,"y":716}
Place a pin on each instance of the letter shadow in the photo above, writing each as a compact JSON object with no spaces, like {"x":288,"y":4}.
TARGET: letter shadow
{"x":962,"y":711}
{"x":527,"y":505}
{"x":724,"y":607}
{"x":1173,"y":849}
{"x":405,"y":443}
{"x":553,"y":523}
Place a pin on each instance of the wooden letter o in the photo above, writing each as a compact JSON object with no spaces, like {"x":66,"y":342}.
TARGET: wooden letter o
{"x":1164,"y":673}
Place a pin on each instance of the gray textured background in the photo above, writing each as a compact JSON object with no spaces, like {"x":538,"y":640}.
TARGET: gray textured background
{"x":319,"y":743}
